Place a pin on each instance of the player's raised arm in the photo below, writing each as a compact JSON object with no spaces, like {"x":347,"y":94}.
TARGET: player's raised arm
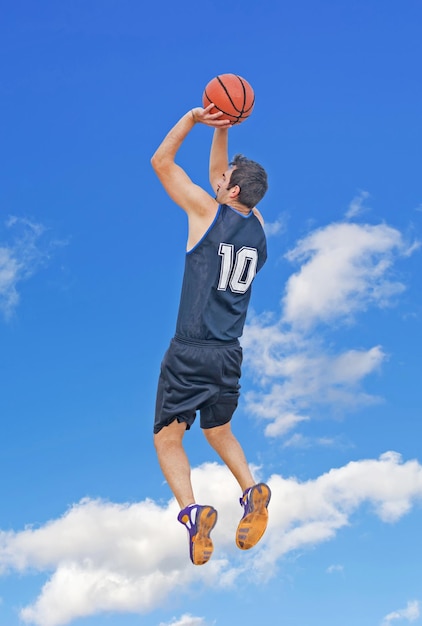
{"x":219,"y":160}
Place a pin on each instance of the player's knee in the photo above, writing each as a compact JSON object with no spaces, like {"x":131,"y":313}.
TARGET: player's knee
{"x":158,"y":441}
{"x":169,"y":435}
{"x":216,"y":434}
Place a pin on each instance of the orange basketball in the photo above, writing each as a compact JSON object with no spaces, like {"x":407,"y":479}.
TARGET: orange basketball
{"x":230,"y":94}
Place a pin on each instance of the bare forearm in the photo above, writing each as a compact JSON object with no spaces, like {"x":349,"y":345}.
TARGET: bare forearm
{"x":219,"y":160}
{"x":171,"y":143}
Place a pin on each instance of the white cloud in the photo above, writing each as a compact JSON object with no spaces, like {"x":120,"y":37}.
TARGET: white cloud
{"x":334,"y":568}
{"x":275,"y":228}
{"x":282,"y":423}
{"x":356,"y":207}
{"x":300,"y":441}
{"x":9,"y":269}
{"x":297,"y":376}
{"x":344,"y":269}
{"x":20,"y":258}
{"x":319,"y":508}
{"x":410,"y":613}
{"x":186,"y":620}
{"x":103,"y":556}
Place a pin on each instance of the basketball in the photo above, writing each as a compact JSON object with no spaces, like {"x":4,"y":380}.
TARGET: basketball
{"x":230,"y":94}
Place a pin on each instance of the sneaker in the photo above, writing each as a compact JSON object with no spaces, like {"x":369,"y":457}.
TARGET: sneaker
{"x":252,"y":526}
{"x":199,"y":521}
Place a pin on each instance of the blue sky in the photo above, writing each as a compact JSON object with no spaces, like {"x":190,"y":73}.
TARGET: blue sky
{"x":91,"y":261}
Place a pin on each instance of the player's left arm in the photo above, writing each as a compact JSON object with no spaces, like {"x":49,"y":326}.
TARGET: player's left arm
{"x":219,"y":160}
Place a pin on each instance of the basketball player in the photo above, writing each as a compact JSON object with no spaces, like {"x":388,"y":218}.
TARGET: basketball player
{"x":226,"y":247}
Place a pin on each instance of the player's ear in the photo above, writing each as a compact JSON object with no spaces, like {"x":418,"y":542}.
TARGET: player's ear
{"x":234,"y":191}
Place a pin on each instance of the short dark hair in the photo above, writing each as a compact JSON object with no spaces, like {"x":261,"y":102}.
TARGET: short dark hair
{"x":251,"y":179}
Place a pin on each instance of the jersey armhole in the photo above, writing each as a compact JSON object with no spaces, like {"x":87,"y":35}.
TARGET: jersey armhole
{"x":206,"y":232}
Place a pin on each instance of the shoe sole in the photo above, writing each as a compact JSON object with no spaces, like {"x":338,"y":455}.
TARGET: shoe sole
{"x":202,"y":546}
{"x":253,"y":525}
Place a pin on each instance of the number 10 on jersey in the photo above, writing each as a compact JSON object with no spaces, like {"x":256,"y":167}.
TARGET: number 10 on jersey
{"x":237,"y":270}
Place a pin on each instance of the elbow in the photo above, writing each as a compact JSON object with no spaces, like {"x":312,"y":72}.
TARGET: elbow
{"x":155,"y":161}
{"x":158,"y":162}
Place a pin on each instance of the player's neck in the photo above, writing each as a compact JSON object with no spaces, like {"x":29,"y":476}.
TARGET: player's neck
{"x":240,"y":208}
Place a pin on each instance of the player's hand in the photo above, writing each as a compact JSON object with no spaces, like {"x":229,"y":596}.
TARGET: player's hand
{"x":204,"y":116}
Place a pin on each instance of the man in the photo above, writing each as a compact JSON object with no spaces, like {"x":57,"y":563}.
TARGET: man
{"x":226,"y":247}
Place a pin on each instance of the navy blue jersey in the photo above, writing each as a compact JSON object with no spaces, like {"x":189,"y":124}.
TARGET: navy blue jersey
{"x":218,"y":276}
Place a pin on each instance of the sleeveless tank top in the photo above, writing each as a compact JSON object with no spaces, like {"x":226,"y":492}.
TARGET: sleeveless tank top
{"x":218,"y":276}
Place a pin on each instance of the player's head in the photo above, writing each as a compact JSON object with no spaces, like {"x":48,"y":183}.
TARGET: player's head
{"x":251,"y":178}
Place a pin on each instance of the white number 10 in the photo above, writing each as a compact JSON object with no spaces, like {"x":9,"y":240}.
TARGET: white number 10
{"x":237,"y":273}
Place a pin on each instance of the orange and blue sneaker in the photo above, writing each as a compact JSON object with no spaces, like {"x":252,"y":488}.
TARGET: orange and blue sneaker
{"x":199,"y":521}
{"x":254,"y":522}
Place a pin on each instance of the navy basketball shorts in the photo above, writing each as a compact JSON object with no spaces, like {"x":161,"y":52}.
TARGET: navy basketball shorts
{"x":198,"y":376}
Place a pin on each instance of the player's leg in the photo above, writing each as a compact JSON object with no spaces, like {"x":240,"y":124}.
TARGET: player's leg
{"x":199,"y":520}
{"x":255,"y":498}
{"x":183,"y":385}
{"x":174,"y":463}
{"x":228,"y":448}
